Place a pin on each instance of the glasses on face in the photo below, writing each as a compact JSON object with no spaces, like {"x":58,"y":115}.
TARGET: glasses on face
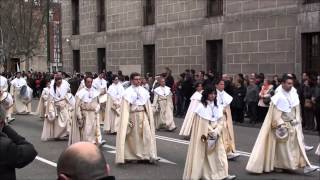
{"x":136,"y":79}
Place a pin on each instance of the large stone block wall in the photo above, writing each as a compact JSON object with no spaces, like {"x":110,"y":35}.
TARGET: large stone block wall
{"x":258,"y":35}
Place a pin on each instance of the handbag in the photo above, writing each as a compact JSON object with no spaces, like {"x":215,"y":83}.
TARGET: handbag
{"x":266,"y":100}
{"x":308,"y":103}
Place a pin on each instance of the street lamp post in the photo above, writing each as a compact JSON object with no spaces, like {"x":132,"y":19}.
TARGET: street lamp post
{"x":48,"y":34}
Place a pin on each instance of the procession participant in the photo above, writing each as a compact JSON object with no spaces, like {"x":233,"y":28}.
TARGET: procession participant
{"x":43,"y":100}
{"x":224,"y":100}
{"x":58,"y":116}
{"x":188,"y":120}
{"x":279,"y":144}
{"x":112,"y":113}
{"x":100,"y":84}
{"x":4,"y":88}
{"x":136,"y":134}
{"x":22,"y":103}
{"x":71,"y":106}
{"x":59,"y":75}
{"x":6,"y":102}
{"x":206,"y":158}
{"x":163,"y":107}
{"x":86,"y":126}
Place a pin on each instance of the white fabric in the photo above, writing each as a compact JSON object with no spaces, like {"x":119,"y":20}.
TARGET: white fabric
{"x":87,"y":95}
{"x":99,"y":83}
{"x":210,"y":113}
{"x":116,"y":91}
{"x":18,"y":82}
{"x":223,"y":98}
{"x":136,"y":95}
{"x":196,"y":96}
{"x":64,"y":83}
{"x":61,"y":92}
{"x":3,"y":83}
{"x":285,"y":101}
{"x":163,"y":91}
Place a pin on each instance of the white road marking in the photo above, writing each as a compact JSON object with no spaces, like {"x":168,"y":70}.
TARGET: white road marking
{"x":163,"y":160}
{"x":46,"y":161}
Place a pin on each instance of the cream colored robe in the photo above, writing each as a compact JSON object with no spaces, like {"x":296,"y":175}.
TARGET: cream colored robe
{"x":227,"y":132}
{"x":19,"y":105}
{"x":268,"y":153}
{"x":56,"y":121}
{"x":7,"y":103}
{"x":43,"y":103}
{"x":163,"y":115}
{"x":188,"y":120}
{"x":137,"y":142}
{"x":101,"y":86}
{"x":112,"y":118}
{"x":202,"y":163}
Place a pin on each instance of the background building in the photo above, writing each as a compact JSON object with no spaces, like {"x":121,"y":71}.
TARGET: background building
{"x":225,"y":36}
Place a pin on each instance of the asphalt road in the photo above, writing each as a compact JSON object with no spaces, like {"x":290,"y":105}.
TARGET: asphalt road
{"x":171,"y":148}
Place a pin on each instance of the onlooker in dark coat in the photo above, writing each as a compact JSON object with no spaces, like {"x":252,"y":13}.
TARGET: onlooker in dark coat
{"x":252,"y":98}
{"x":316,"y":101}
{"x":15,"y":151}
{"x":237,"y":104}
{"x":308,"y":115}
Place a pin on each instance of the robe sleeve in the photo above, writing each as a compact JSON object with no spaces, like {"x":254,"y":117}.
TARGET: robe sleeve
{"x":276,"y":118}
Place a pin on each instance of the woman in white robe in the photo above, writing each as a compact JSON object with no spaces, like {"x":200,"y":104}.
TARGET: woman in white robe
{"x":100,"y":84}
{"x":58,"y":115}
{"x":86,"y":125}
{"x":188,"y":120}
{"x":206,"y":158}
{"x":42,"y":105}
{"x":163,"y":107}
{"x":6,"y":102}
{"x":112,"y":113}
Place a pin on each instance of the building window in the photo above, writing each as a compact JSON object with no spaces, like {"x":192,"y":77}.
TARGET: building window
{"x":214,"y":56}
{"x":75,"y":17}
{"x":311,"y":52}
{"x":149,"y":12}
{"x":76,"y":60}
{"x":149,"y":59}
{"x":311,"y":1}
{"x":214,"y":8}
{"x":101,"y":22}
{"x":101,"y":57}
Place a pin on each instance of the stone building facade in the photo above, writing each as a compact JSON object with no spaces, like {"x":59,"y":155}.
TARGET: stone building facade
{"x":268,"y":36}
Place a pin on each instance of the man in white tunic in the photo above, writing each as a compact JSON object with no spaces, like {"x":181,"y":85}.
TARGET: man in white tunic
{"x":20,"y":106}
{"x":112,"y":113}
{"x":224,"y":100}
{"x":188,"y":120}
{"x":206,"y":158}
{"x":4,"y":88}
{"x":100,"y":84}
{"x":86,"y":125}
{"x":280,"y":141}
{"x":57,"y":112}
{"x":136,"y":134}
{"x":163,"y":107}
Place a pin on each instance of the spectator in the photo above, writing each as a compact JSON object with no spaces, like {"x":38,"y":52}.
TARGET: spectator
{"x":237,"y":105}
{"x":179,"y":96}
{"x":275,"y":82}
{"x":168,"y":78}
{"x":264,"y":99}
{"x":316,"y":102}
{"x":83,"y":161}
{"x":227,"y":83}
{"x":251,"y":98}
{"x":15,"y":151}
{"x":308,"y":114}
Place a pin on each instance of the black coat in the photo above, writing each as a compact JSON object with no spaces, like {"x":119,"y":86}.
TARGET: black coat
{"x":15,"y":152}
{"x":238,"y":95}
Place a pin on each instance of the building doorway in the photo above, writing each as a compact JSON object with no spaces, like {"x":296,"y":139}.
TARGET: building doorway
{"x":101,"y":56}
{"x":311,"y":52}
{"x":76,"y":61}
{"x":214,"y":56}
{"x":149,"y":59}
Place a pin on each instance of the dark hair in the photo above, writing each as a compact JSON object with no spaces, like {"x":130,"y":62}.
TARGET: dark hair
{"x":133,"y":75}
{"x":87,"y":77}
{"x":197,"y":84}
{"x":286,"y":77}
{"x":114,"y":77}
{"x":218,"y":80}
{"x":58,"y":78}
{"x":205,"y":95}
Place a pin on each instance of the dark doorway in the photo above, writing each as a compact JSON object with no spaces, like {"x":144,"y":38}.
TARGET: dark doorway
{"x":76,"y":60}
{"x":214,"y":56}
{"x":149,"y":59}
{"x":101,"y":56}
{"x":14,"y":64}
{"x":311,"y":52}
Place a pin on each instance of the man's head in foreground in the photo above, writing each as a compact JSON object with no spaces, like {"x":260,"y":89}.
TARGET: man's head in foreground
{"x":82,"y":161}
